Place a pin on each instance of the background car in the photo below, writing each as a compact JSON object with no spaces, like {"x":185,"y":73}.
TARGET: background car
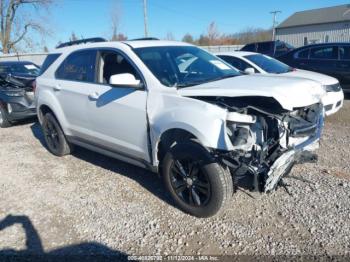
{"x":252,"y":63}
{"x":17,"y":91}
{"x":23,"y":71}
{"x":332,"y":59}
{"x":271,"y":48}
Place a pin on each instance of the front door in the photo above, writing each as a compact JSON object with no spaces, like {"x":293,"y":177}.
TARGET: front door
{"x":117,"y":115}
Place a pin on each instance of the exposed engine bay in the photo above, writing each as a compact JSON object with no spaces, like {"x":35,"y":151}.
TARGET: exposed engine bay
{"x":267,"y":140}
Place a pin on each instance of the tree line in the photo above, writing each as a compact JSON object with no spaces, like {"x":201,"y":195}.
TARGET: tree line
{"x":20,"y":32}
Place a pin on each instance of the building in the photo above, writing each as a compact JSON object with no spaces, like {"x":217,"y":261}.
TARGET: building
{"x":331,"y":24}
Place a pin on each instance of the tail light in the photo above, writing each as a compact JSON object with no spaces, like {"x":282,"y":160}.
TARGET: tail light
{"x":34,"y":85}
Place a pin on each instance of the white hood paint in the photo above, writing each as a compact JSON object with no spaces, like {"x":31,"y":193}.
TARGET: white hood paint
{"x":289,"y":92}
{"x":321,"y":78}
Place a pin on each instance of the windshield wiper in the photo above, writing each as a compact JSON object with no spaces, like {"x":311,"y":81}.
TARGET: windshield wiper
{"x":189,"y":84}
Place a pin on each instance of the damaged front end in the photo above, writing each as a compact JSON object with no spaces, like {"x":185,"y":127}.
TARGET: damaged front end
{"x":267,"y":140}
{"x":17,"y":97}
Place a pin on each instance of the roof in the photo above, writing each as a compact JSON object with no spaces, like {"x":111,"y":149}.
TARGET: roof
{"x":133,"y":44}
{"x":340,"y":13}
{"x":235,"y":53}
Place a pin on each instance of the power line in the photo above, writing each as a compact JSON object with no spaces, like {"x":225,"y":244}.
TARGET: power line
{"x":274,"y":13}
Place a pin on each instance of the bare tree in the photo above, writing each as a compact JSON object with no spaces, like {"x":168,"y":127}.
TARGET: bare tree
{"x":188,"y":38}
{"x":15,"y":25}
{"x":213,"y":33}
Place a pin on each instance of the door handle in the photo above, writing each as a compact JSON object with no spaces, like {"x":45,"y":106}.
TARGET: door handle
{"x":94,"y":96}
{"x":57,"y":88}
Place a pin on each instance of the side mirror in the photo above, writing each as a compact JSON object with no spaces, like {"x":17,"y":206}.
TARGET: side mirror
{"x":125,"y":80}
{"x":249,"y":71}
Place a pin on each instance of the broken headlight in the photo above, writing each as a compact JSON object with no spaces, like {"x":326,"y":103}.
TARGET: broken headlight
{"x":238,"y":130}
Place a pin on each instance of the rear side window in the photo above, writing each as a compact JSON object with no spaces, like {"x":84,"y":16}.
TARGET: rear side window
{"x":48,"y":62}
{"x":264,"y":48}
{"x":328,"y":52}
{"x":344,"y":52}
{"x":78,"y":66}
{"x":303,"y":54}
{"x":250,"y":47}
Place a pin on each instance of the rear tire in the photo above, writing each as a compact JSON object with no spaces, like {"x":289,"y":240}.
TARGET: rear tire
{"x":4,"y":121}
{"x":55,"y":139}
{"x":197,"y":183}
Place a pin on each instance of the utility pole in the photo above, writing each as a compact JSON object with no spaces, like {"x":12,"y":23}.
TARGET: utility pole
{"x":274,"y":13}
{"x":145,"y":18}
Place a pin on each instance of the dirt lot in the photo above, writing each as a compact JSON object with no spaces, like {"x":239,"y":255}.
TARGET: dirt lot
{"x":88,"y":203}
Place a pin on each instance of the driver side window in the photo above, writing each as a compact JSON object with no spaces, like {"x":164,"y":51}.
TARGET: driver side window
{"x":113,"y":63}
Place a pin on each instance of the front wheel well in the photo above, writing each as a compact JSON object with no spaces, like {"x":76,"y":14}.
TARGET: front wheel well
{"x":43,"y":110}
{"x":168,"y":138}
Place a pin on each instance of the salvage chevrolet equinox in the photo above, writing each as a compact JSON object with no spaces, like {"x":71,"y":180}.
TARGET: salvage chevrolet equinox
{"x":175,"y":109}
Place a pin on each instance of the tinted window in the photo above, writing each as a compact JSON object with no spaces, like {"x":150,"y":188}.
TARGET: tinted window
{"x":264,"y":47}
{"x":79,"y":66}
{"x":235,"y":62}
{"x":48,"y":61}
{"x":182,"y":66}
{"x":269,"y":64}
{"x":328,"y":52}
{"x":303,"y":54}
{"x":20,"y":68}
{"x":344,"y":52}
{"x":113,"y":63}
{"x":249,"y":47}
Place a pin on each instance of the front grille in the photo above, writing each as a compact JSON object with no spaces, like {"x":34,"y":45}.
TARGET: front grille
{"x":333,"y":88}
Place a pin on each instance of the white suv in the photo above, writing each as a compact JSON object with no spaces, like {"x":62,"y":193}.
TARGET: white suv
{"x":175,"y":109}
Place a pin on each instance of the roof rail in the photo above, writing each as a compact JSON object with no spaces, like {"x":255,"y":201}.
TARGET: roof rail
{"x":144,"y":38}
{"x":82,"y":41}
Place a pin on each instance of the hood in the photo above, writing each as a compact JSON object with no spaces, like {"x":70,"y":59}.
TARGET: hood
{"x":289,"y":92}
{"x":321,"y":78}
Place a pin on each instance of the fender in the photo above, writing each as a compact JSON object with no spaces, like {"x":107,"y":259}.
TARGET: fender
{"x":205,"y":121}
{"x":48,"y":99}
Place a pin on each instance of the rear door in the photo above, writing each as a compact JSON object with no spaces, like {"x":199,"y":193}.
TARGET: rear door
{"x":343,"y":66}
{"x":300,"y":59}
{"x":323,"y":59}
{"x":74,"y":79}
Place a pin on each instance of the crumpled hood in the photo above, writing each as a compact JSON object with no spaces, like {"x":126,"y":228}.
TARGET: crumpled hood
{"x":321,"y":78}
{"x":289,"y":92}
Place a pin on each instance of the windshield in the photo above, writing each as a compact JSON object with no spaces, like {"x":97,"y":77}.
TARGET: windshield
{"x":29,"y":69}
{"x":183,"y":66}
{"x":269,"y":64}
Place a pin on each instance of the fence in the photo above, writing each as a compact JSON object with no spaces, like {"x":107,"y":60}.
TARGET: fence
{"x":222,"y":48}
{"x":36,"y":58}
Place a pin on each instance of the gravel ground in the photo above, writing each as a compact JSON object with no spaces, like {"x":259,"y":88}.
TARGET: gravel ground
{"x":89,"y":203}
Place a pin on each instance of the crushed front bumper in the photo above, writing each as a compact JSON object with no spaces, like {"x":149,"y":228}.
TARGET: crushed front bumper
{"x":286,"y":161}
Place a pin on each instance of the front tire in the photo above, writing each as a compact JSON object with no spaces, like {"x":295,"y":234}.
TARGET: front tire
{"x":4,"y":121}
{"x":198,"y":184}
{"x":55,"y":139}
